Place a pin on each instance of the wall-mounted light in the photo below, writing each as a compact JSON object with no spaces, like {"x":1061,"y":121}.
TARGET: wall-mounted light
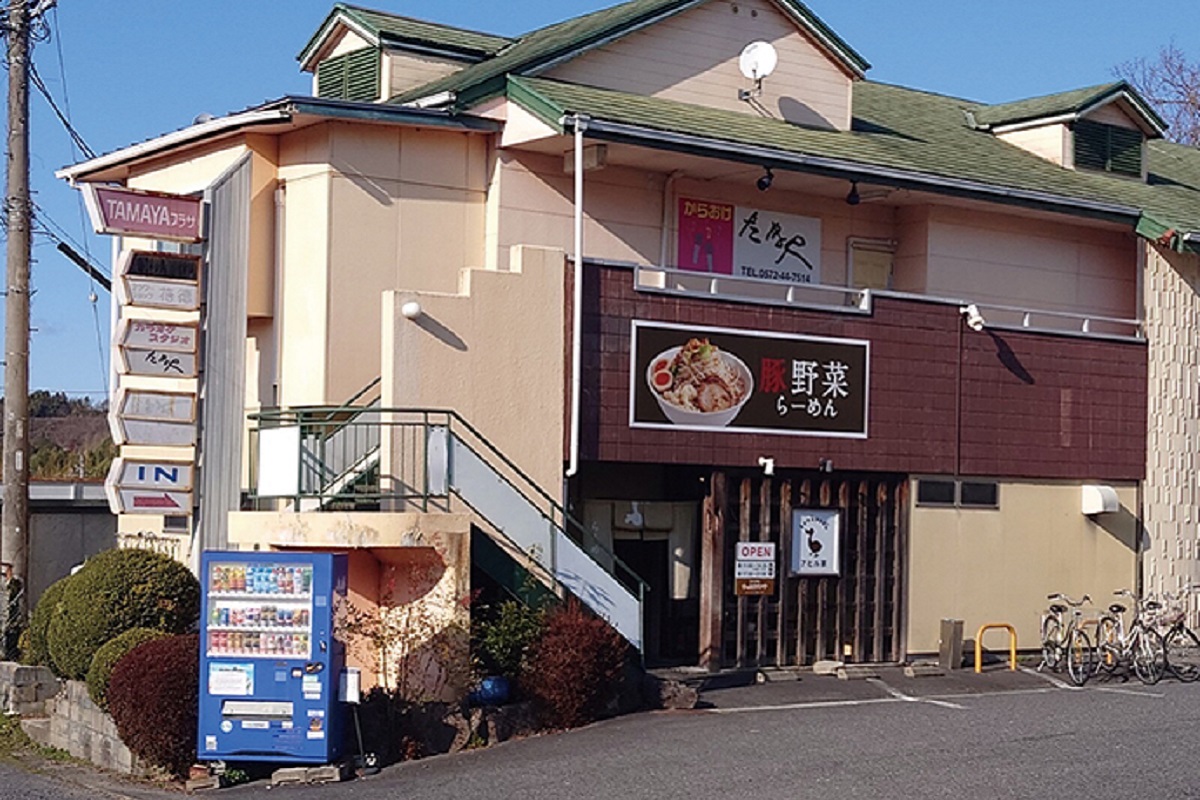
{"x":768,"y":465}
{"x":853,"y":198}
{"x":975,"y":320}
{"x":411,"y":310}
{"x":825,"y":465}
{"x":766,"y":180}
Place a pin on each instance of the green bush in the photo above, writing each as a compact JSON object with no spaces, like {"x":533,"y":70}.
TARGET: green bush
{"x":503,"y":636}
{"x":36,"y":651}
{"x":153,"y":697}
{"x":107,"y":657}
{"x":116,"y":591}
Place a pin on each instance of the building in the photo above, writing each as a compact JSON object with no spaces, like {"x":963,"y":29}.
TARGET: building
{"x":943,"y":351}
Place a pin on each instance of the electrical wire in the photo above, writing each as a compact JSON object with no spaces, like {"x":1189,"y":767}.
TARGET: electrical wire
{"x":76,"y":138}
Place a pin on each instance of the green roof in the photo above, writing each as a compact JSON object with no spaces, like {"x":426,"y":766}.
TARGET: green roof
{"x":900,"y":136}
{"x":1065,"y":103}
{"x":564,"y":39}
{"x":394,"y":29}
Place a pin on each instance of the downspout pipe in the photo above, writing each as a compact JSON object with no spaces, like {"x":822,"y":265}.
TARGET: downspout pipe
{"x":580,"y":125}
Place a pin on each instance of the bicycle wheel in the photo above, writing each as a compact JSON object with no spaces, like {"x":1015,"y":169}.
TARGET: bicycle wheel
{"x":1108,"y":648}
{"x":1183,"y":654}
{"x":1052,"y":643}
{"x":1148,"y":654}
{"x":1079,"y":657}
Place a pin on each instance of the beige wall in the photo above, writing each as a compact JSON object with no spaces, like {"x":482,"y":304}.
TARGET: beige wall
{"x":985,"y":566}
{"x":1020,"y":261}
{"x":406,"y":71}
{"x":693,"y":58}
{"x":1051,"y":142}
{"x":368,"y":209}
{"x":1112,"y":114}
{"x":1172,"y":488}
{"x":494,"y":353}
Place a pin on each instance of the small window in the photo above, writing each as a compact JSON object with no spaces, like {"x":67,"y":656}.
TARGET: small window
{"x":175,"y":523}
{"x":1108,"y":148}
{"x":958,"y":494}
{"x":935,"y":493}
{"x":871,"y":263}
{"x":979,"y":494}
{"x":350,"y":76}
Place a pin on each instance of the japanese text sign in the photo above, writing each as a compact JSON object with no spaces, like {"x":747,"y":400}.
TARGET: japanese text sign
{"x":754,"y":568}
{"x":721,"y":379}
{"x":151,"y":335}
{"x":816,"y":542}
{"x":154,"y":215}
{"x":723,"y":239}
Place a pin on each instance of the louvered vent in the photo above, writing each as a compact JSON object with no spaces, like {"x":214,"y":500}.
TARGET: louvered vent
{"x":350,"y":76}
{"x":1108,"y":148}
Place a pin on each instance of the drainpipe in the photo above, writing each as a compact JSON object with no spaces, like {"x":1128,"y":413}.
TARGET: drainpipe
{"x":668,"y":188}
{"x":580,"y":123}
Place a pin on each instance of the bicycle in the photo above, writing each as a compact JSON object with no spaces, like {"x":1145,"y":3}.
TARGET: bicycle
{"x":1065,"y":640}
{"x":1139,"y":645}
{"x":1181,"y":643}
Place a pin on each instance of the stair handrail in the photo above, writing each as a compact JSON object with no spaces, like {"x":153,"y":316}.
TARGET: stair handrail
{"x":567,"y":518}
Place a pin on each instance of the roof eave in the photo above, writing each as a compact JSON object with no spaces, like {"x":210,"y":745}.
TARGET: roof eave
{"x":282,"y":111}
{"x":338,"y":14}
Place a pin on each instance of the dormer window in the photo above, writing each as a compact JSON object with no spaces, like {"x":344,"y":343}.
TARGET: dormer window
{"x":350,"y":76}
{"x":1108,"y":148}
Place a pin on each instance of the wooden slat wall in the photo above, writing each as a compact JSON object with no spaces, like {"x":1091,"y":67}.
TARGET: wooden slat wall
{"x":855,"y":617}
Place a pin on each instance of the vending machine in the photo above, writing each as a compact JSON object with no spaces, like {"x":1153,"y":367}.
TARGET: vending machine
{"x":270,"y":660}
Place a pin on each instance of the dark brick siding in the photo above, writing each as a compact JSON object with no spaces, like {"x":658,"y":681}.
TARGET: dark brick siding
{"x":1031,"y":405}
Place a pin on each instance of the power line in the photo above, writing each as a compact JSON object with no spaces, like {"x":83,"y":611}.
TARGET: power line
{"x":66,"y":123}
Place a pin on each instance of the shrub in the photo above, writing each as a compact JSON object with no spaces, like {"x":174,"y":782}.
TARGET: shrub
{"x":574,"y":667}
{"x":36,"y":651}
{"x":108,"y":655}
{"x":116,"y":591}
{"x":503,"y":636}
{"x":152,"y":697}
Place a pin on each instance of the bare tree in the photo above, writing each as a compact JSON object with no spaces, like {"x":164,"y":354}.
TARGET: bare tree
{"x":1171,"y":83}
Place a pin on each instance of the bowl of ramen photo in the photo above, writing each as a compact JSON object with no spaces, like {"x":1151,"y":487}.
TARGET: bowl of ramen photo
{"x":699,"y":384}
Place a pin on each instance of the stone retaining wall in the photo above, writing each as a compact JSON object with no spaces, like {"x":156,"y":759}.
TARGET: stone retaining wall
{"x":78,"y":726}
{"x":26,"y":690}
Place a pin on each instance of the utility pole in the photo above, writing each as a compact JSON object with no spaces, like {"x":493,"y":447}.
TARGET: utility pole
{"x":14,"y":524}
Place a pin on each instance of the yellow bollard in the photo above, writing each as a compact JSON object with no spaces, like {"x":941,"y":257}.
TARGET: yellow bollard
{"x":1012,"y":644}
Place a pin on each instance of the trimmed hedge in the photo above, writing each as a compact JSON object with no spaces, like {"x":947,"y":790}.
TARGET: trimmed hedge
{"x":36,"y":650}
{"x":116,"y":591}
{"x":109,"y":655}
{"x":153,"y":696}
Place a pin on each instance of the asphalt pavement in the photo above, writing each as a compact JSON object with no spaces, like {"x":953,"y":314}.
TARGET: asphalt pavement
{"x":798,"y":735}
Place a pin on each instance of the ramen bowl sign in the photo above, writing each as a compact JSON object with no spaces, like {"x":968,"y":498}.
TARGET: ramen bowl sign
{"x":736,"y":381}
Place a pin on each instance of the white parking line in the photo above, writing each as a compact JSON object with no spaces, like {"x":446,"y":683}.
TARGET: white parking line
{"x":908,"y":698}
{"x":1046,"y":676}
{"x":1134,"y":692}
{"x":795,"y":706}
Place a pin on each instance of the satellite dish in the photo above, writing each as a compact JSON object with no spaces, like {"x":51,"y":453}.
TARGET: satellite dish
{"x":758,"y":60}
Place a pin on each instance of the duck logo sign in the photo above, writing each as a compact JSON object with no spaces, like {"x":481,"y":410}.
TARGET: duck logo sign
{"x":816,"y":542}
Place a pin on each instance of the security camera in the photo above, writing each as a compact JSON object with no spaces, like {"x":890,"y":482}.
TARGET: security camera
{"x":975,"y":320}
{"x":767,"y":464}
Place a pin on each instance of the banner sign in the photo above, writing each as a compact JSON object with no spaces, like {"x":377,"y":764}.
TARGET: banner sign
{"x":721,"y":379}
{"x":165,"y":406}
{"x":160,"y":363}
{"x":816,"y":541}
{"x":172,"y":476}
{"x":754,"y":568}
{"x":163,"y":266}
{"x":144,"y":334}
{"x":150,"y":293}
{"x":153,"y":215}
{"x":749,"y":243}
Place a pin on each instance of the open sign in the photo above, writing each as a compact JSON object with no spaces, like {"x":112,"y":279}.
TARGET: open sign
{"x":755,"y":551}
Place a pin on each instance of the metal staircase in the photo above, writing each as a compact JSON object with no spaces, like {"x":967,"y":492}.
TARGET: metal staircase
{"x":369,"y":457}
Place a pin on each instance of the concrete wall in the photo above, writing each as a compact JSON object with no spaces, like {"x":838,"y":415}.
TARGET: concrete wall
{"x":26,"y":690}
{"x":693,"y":58}
{"x":985,"y":565}
{"x":494,"y":353}
{"x":1172,"y":488}
{"x":1006,"y":259}
{"x":62,"y":539}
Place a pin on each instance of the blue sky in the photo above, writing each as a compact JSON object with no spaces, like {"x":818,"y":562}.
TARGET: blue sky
{"x":138,"y":68}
